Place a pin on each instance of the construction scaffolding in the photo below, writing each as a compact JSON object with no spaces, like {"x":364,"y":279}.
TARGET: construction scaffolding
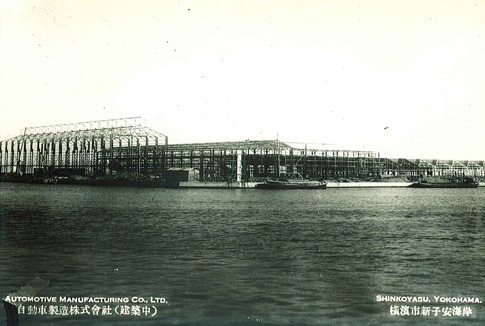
{"x":87,"y":148}
{"x":268,"y":158}
{"x":451,"y":168}
{"x":126,"y":148}
{"x":257,"y":160}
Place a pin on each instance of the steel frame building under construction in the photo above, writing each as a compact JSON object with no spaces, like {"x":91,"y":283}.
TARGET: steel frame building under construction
{"x":127,"y":148}
{"x":88,"y":148}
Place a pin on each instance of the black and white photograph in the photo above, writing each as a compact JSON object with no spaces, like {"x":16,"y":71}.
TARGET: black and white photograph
{"x":183,"y":162}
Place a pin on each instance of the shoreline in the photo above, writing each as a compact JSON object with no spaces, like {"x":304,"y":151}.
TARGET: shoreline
{"x":207,"y":185}
{"x":251,"y":185}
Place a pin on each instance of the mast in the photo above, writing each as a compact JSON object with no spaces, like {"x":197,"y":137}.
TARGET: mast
{"x":278,"y":166}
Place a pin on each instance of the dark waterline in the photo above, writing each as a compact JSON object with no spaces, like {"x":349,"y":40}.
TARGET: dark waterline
{"x":246,"y":257}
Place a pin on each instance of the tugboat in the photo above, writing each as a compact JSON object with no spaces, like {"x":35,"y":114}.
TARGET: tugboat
{"x":453,"y":183}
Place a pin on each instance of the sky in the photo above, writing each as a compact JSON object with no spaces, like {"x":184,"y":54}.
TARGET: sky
{"x":404,"y":78}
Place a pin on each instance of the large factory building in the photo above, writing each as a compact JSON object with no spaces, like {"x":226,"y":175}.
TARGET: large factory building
{"x":127,"y":148}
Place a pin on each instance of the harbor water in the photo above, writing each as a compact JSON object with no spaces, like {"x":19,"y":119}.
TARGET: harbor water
{"x":247,"y":256}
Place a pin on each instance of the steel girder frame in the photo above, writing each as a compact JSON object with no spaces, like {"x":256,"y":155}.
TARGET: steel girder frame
{"x":218,"y":161}
{"x":450,"y":168}
{"x":262,"y":159}
{"x":475,"y":168}
{"x":80,"y":148}
{"x":98,"y":147}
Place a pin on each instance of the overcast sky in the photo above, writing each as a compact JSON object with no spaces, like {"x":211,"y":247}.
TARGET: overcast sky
{"x":406,"y":78}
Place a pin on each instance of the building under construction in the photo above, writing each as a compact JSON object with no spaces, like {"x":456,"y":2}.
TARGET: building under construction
{"x":126,"y":148}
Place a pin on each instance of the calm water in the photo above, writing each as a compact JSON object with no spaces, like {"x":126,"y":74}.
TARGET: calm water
{"x":245,"y":257}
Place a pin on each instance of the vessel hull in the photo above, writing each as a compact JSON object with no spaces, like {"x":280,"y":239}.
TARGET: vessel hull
{"x":290,"y":185}
{"x":444,"y":185}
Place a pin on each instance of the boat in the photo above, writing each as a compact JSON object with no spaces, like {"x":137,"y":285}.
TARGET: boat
{"x":291,"y":181}
{"x":465,"y":183}
{"x":291,"y":184}
{"x":45,"y":180}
